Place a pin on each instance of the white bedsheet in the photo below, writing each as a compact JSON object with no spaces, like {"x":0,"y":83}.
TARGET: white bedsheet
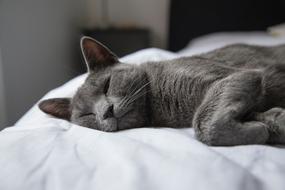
{"x":41,"y":152}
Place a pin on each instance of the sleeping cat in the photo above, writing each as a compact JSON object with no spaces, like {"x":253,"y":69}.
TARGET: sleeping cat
{"x":231,"y":96}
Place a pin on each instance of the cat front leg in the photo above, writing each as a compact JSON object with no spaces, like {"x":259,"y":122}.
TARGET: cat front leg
{"x":219,"y":120}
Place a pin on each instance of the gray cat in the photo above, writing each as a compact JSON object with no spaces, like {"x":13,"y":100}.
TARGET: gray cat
{"x":231,"y":96}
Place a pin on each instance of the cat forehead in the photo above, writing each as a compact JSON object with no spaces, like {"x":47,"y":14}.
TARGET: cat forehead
{"x":119,"y":68}
{"x":102,"y":75}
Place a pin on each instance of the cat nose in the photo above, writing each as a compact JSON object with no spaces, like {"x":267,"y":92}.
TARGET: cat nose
{"x":109,"y":112}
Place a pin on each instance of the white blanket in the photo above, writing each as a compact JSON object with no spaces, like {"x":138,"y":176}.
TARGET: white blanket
{"x":41,"y":152}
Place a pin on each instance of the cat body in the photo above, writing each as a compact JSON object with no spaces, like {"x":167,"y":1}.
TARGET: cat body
{"x":233,"y":95}
{"x":179,"y":86}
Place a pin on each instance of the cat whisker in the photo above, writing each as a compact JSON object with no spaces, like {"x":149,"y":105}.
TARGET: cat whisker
{"x":132,"y":97}
{"x":136,"y":89}
{"x":141,"y":88}
{"x":132,"y":84}
{"x":135,"y":98}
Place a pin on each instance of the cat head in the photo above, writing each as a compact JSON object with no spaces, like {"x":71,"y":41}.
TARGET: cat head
{"x":113,"y":97}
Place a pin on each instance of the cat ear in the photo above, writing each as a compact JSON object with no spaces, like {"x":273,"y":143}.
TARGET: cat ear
{"x":58,"y":107}
{"x":96,"y":55}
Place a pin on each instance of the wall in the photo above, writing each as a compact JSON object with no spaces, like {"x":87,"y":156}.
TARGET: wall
{"x":2,"y":99}
{"x":38,"y":40}
{"x":152,"y":14}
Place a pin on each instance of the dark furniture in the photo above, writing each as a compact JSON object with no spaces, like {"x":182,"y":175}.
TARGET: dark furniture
{"x":189,"y":19}
{"x":121,"y":41}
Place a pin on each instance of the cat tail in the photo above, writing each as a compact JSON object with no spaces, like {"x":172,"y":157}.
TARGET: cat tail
{"x":274,"y":84}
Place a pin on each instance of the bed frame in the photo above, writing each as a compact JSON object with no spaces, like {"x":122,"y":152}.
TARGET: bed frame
{"x":192,"y":18}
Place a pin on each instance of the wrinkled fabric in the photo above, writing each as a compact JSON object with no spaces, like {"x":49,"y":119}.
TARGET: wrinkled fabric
{"x":60,"y":156}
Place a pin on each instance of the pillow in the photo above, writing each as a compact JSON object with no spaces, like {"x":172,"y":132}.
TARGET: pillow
{"x":216,"y":40}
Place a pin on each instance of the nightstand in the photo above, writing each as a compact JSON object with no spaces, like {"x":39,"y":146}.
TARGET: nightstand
{"x":121,"y":41}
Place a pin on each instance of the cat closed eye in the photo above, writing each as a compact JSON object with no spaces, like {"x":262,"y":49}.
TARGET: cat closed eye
{"x":87,"y":114}
{"x":107,"y":85}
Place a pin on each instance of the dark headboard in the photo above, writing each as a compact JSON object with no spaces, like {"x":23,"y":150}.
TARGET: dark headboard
{"x":192,"y":18}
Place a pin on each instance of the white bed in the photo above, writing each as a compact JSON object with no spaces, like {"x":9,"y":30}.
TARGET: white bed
{"x":41,"y":152}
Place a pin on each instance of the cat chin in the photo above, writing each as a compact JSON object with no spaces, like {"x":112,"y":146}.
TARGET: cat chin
{"x":109,"y":125}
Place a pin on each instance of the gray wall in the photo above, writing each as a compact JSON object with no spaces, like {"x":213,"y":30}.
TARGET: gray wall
{"x":2,"y":99}
{"x":38,"y":40}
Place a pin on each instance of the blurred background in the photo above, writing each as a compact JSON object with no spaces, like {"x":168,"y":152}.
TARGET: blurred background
{"x":39,"y":39}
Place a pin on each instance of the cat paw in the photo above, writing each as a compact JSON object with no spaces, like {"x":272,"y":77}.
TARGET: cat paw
{"x":275,"y":118}
{"x":280,"y":121}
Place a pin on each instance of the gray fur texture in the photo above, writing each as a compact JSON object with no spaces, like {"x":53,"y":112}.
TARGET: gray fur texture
{"x":231,"y":96}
